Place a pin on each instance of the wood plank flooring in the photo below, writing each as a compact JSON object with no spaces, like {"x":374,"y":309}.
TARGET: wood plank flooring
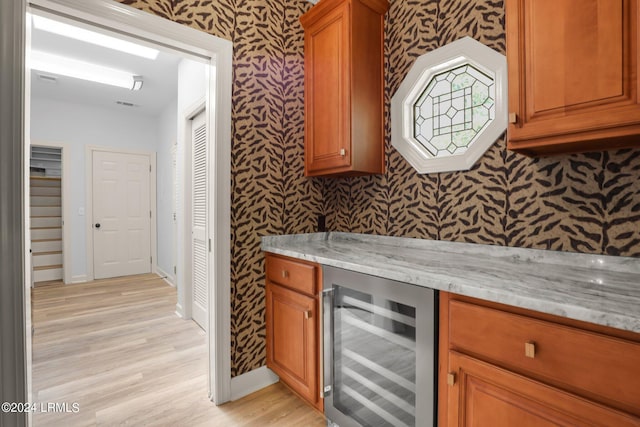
{"x":117,"y":349}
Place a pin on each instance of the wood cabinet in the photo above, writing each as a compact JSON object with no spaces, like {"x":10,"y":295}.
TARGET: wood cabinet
{"x":503,"y":366}
{"x":486,"y":395}
{"x":293,"y":324}
{"x":344,"y":87}
{"x":573,"y":75}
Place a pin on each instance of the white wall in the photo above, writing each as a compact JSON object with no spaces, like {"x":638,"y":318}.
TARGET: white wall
{"x":167,"y":137}
{"x":80,"y":125}
{"x":192,"y":83}
{"x":192,"y":87}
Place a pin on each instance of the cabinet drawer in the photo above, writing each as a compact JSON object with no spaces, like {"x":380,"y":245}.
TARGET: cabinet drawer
{"x":591,"y":364}
{"x":292,"y":274}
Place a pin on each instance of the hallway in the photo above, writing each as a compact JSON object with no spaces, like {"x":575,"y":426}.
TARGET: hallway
{"x":116,"y":348}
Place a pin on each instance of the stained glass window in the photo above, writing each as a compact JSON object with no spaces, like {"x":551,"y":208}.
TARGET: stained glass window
{"x":453,"y":109}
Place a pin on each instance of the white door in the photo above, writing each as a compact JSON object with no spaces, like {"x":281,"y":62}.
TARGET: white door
{"x":121,"y":214}
{"x":199,"y":224}
{"x":174,"y":209}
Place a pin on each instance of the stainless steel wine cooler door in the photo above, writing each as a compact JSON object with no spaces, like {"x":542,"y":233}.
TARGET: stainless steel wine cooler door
{"x":379,"y":351}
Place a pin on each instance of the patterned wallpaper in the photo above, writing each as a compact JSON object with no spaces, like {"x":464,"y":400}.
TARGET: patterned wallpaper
{"x":270,"y":194}
{"x":583,"y":203}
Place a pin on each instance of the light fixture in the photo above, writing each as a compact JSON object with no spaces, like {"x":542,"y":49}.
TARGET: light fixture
{"x":69,"y":67}
{"x":71,"y":31}
{"x":137,"y":83}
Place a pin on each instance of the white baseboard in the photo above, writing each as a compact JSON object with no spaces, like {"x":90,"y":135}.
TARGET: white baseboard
{"x":180,"y":311}
{"x":165,"y":276}
{"x":82,"y":278}
{"x":247,"y":383}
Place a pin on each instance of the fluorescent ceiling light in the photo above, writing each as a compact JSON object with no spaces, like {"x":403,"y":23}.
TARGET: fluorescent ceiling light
{"x":71,"y":31}
{"x":55,"y":64}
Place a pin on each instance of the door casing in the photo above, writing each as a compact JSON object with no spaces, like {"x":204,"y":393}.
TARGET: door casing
{"x":217,"y":53}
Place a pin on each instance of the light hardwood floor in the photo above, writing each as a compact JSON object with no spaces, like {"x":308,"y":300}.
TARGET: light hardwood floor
{"x":117,"y":349}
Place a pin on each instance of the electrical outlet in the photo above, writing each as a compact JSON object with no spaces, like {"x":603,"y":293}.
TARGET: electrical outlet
{"x":322,"y":223}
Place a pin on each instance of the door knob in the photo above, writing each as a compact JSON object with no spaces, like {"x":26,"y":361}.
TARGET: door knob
{"x":97,"y":225}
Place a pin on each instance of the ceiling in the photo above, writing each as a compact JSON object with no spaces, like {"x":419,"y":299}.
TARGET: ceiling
{"x":160,"y":75}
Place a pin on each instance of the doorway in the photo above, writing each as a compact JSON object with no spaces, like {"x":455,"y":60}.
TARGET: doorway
{"x":217,"y":54}
{"x":47,"y":225}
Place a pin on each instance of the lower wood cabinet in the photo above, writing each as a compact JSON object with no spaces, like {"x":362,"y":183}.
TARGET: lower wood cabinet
{"x":485,"y":395}
{"x":504,"y":366}
{"x":293,"y":324}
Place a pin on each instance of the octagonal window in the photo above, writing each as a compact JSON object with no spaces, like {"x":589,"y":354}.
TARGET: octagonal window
{"x":451,"y":107}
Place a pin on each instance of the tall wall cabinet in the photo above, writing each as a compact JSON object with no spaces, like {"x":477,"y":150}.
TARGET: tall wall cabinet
{"x":344,"y":87}
{"x":573,"y":75}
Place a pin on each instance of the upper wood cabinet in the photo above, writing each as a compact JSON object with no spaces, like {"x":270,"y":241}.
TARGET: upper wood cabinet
{"x":344,"y":87}
{"x":573,"y":75}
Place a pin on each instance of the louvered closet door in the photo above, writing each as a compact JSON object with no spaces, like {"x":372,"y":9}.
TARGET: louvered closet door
{"x":200,"y":248}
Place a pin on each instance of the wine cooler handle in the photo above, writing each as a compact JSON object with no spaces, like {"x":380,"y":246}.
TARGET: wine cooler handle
{"x":327,"y":342}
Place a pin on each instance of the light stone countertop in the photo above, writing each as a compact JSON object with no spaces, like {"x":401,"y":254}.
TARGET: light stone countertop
{"x":594,"y":288}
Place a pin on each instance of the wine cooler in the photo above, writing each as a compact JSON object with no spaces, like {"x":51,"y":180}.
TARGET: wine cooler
{"x":379,"y":351}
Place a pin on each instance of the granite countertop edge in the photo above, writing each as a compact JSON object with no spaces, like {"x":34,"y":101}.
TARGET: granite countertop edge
{"x":594,"y":279}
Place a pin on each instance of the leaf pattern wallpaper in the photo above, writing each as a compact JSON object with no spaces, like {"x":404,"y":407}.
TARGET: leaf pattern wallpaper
{"x":580,"y":203}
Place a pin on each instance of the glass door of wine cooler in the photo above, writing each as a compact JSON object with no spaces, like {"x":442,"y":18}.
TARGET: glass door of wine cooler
{"x":379,"y":351}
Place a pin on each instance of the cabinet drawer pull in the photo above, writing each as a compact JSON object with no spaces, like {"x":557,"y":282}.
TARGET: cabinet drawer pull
{"x":307,"y":314}
{"x":513,"y":118}
{"x":451,"y":378}
{"x":285,"y":274}
{"x":530,"y":349}
{"x":343,"y":152}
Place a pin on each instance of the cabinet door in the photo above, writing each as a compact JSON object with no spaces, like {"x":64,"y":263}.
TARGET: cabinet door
{"x":485,"y":395}
{"x":292,"y":340}
{"x":572,"y":74}
{"x":327,"y":94}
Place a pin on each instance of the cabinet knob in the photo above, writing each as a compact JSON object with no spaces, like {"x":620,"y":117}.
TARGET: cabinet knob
{"x":530,"y":349}
{"x":307,"y":314}
{"x":285,"y":274}
{"x":513,"y":118}
{"x":451,"y":378}
{"x":343,"y":152}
